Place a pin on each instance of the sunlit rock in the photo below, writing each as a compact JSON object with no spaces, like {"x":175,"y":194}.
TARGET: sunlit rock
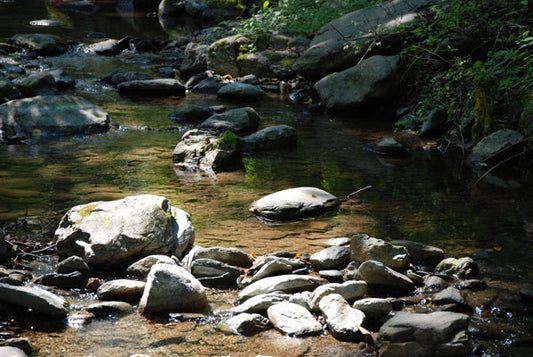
{"x":343,"y":321}
{"x":364,"y":248}
{"x":117,"y":232}
{"x":293,"y":319}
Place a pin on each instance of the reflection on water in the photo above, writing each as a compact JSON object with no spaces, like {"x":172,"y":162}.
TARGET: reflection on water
{"x":424,"y":197}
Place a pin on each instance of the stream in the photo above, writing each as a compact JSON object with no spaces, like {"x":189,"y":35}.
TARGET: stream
{"x":425,"y":197}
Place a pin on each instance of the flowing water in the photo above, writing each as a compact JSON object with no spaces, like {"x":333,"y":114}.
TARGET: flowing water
{"x":425,"y":197}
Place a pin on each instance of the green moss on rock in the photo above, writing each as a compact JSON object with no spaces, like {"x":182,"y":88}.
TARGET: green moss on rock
{"x":230,"y":142}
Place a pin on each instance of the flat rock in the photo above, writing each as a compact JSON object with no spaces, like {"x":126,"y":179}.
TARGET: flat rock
{"x":294,"y":203}
{"x":334,"y":257}
{"x":109,"y":308}
{"x":248,"y":324}
{"x":496,"y":147}
{"x":423,"y":335}
{"x":121,"y":289}
{"x":241,"y":91}
{"x":50,"y":116}
{"x":273,"y":267}
{"x":349,"y":290}
{"x":364,"y":248}
{"x":284,"y":283}
{"x":117,"y":232}
{"x":230,"y":256}
{"x":35,"y":298}
{"x":210,"y":270}
{"x":260,"y":303}
{"x":152,"y":87}
{"x":293,"y":319}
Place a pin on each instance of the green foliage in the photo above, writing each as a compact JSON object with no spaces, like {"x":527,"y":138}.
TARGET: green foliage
{"x":225,"y":4}
{"x":298,"y":15}
{"x":480,"y":55}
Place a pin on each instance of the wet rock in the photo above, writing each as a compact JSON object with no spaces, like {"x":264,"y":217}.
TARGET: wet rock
{"x":497,"y":147}
{"x":350,"y":291}
{"x":21,"y":343}
{"x":421,"y":253}
{"x":74,"y":279}
{"x":8,"y":48}
{"x":373,"y":308}
{"x":104,"y":309}
{"x":206,"y":86}
{"x":191,"y":114}
{"x":63,"y":79}
{"x":274,"y":137}
{"x":435,"y":283}
{"x":240,"y":91}
{"x":51,"y":116}
{"x":194,"y":59}
{"x":142,"y":267}
{"x":462,"y":267}
{"x":260,"y":303}
{"x":122,"y":75}
{"x":342,"y":320}
{"x":294,"y":203}
{"x":222,"y":54}
{"x":42,"y":83}
{"x":37,"y":299}
{"x":116,"y":232}
{"x":12,"y":351}
{"x":199,"y":150}
{"x":239,"y":121}
{"x":14,"y":278}
{"x":165,"y":283}
{"x":364,"y":248}
{"x":387,"y":147}
{"x":472,"y":284}
{"x":41,"y":44}
{"x":8,"y":91}
{"x":284,"y":283}
{"x":449,"y":295}
{"x":152,"y":87}
{"x":248,"y":324}
{"x":374,"y":79}
{"x":93,"y":284}
{"x":109,"y":47}
{"x":382,"y":278}
{"x":231,"y":256}
{"x":273,"y":267}
{"x":434,"y":123}
{"x":331,"y":258}
{"x":293,"y":319}
{"x":121,"y":290}
{"x":206,"y":270}
{"x":73,"y":264}
{"x":333,"y":276}
{"x":432,"y":334}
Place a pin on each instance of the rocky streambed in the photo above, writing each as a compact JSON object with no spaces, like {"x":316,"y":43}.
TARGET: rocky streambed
{"x":371,"y":296}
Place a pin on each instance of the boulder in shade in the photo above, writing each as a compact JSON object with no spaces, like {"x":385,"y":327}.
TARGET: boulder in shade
{"x":152,"y":87}
{"x":34,"y":298}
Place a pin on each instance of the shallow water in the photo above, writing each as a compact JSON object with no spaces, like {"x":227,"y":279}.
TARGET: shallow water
{"x":424,"y":197}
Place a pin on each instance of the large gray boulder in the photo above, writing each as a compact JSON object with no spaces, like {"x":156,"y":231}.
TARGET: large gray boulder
{"x":50,"y":116}
{"x":339,"y":44}
{"x":438,"y":333}
{"x":260,"y":303}
{"x":117,"y":232}
{"x":349,"y":290}
{"x":294,"y":203}
{"x":364,"y":248}
{"x":241,"y":92}
{"x":293,"y":319}
{"x":343,"y":321}
{"x":42,"y":44}
{"x":152,"y":87}
{"x":374,"y":79}
{"x":238,"y":120}
{"x":231,"y":256}
{"x":380,"y":277}
{"x":121,"y":290}
{"x":284,"y":283}
{"x":41,"y":83}
{"x":497,"y":147}
{"x":201,"y":151}
{"x":34,"y":298}
{"x":334,"y":257}
{"x":274,"y":137}
{"x":421,"y":253}
{"x":171,"y":288}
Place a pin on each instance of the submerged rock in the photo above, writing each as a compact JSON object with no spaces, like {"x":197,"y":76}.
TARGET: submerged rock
{"x":34,"y":298}
{"x":249,"y":324}
{"x":293,"y":319}
{"x":294,"y":203}
{"x":423,"y":335}
{"x":387,"y":147}
{"x":42,"y":44}
{"x":171,"y":288}
{"x":116,"y":232}
{"x":51,"y":116}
